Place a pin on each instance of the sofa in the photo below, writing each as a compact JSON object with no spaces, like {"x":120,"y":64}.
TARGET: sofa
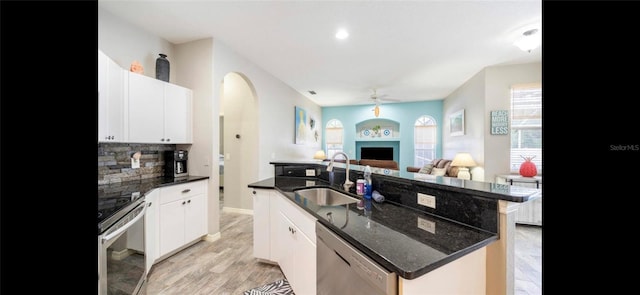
{"x":443,"y":164}
{"x":385,"y":164}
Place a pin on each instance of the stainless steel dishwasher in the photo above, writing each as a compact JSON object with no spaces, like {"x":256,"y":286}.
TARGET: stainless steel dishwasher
{"x":342,"y":269}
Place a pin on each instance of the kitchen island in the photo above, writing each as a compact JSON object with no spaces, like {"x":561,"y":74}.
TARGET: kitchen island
{"x":412,"y":240}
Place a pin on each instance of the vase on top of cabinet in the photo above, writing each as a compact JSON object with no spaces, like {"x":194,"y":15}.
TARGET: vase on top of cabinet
{"x":162,"y":68}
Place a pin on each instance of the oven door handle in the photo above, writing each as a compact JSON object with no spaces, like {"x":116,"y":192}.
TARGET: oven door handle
{"x":126,"y":226}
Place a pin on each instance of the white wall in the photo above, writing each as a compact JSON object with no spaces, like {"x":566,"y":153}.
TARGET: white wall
{"x":196,"y":60}
{"x":125,"y":43}
{"x":498,"y":97}
{"x":276,"y":102}
{"x":487,"y":91}
{"x":470,"y":97}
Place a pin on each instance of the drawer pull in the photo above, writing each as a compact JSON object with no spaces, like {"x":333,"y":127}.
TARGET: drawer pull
{"x":186,"y":191}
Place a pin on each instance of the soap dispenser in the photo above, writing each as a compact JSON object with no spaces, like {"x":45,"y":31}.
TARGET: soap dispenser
{"x":368,"y":186}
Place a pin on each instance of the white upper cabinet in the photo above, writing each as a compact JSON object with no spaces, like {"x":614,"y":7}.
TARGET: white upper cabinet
{"x":159,"y":112}
{"x":177,"y":113}
{"x":146,"y":109}
{"x":112,"y":85}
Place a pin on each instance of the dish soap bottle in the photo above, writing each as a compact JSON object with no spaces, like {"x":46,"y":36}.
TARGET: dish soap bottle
{"x":368,"y":189}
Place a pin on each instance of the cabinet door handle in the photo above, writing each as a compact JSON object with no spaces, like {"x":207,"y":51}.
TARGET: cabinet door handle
{"x":183,"y":202}
{"x":149,"y":204}
{"x":254,"y":192}
{"x":168,"y":139}
{"x":186,"y":191}
{"x":189,"y":201}
{"x":161,"y":139}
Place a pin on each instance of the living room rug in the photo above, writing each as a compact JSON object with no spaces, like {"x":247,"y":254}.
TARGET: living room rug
{"x":279,"y":287}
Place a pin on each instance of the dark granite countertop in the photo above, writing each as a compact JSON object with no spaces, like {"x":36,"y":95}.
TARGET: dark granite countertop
{"x":142,"y":186}
{"x":480,"y":188}
{"x":390,"y":235}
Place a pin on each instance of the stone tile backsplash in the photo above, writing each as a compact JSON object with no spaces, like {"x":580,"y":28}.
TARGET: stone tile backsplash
{"x":114,"y":161}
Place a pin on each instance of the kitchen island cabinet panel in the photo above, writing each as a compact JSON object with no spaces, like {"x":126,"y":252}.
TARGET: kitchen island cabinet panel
{"x":295,"y":251}
{"x":466,"y":275}
{"x":296,"y":256}
{"x":261,"y":224}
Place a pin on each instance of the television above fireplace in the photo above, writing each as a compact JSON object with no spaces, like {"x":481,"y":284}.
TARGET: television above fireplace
{"x":376,"y":153}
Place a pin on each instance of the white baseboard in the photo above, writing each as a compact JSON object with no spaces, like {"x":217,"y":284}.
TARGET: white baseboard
{"x":237,"y":210}
{"x":122,"y":254}
{"x":212,"y":237}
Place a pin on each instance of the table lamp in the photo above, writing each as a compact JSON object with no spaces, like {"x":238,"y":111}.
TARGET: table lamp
{"x":463,"y":160}
{"x":320,"y":155}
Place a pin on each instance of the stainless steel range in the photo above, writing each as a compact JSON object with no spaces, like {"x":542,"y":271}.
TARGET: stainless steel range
{"x":121,"y":259}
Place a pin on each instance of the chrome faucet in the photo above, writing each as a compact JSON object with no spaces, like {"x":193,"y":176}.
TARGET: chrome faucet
{"x":347,"y":183}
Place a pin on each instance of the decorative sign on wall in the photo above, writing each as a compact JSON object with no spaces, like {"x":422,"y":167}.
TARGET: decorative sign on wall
{"x":500,"y":122}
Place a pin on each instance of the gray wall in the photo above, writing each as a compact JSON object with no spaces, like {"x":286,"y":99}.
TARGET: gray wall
{"x":487,"y":91}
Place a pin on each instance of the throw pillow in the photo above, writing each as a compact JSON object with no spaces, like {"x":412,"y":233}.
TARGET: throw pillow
{"x":426,"y":169}
{"x":438,"y":171}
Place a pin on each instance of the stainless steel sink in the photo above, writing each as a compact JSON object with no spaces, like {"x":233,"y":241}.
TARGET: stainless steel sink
{"x":325,"y":196}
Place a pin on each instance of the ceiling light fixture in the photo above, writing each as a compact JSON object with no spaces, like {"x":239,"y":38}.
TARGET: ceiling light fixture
{"x":530,"y":40}
{"x":342,"y":34}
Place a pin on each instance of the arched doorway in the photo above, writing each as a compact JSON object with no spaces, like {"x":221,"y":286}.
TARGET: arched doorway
{"x":239,"y":140}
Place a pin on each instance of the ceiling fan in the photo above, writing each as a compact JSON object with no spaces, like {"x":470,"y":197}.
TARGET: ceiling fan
{"x":377,"y":99}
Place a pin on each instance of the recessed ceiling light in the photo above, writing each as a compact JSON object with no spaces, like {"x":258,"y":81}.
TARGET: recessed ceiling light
{"x":342,"y":34}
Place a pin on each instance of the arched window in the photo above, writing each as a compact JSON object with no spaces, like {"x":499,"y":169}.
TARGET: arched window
{"x":424,"y":141}
{"x":333,"y":137}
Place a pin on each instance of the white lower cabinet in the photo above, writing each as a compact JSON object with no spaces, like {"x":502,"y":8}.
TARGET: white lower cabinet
{"x":182,"y":215}
{"x":287,"y":232}
{"x":261,"y":224}
{"x":151,"y":223}
{"x":295,"y":249}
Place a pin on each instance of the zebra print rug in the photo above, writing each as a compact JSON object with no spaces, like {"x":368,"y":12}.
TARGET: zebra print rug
{"x":279,"y":287}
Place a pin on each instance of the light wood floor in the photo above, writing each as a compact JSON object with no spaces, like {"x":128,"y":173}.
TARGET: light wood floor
{"x":227,"y":266}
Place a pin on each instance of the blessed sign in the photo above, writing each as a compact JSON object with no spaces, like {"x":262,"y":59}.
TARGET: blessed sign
{"x":500,"y":122}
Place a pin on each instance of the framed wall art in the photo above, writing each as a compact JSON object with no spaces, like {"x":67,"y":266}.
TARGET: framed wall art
{"x":300,"y":125}
{"x":456,"y":123}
